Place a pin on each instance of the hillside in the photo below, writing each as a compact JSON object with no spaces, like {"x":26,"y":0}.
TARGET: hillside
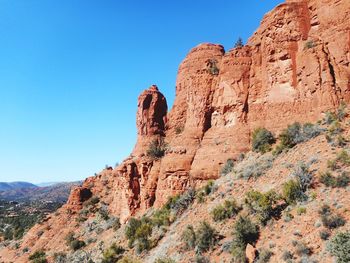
{"x":262,"y":126}
{"x":54,"y":193}
{"x":15,"y":185}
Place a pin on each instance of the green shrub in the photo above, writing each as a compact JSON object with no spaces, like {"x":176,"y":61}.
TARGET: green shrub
{"x":38,"y":257}
{"x":116,"y":224}
{"x":343,"y":180}
{"x":303,"y":175}
{"x":343,"y":157}
{"x":297,"y":133}
{"x":324,"y":235}
{"x":331,"y":181}
{"x":73,"y":242}
{"x":302,"y":249}
{"x":179,"y":129}
{"x":228,"y":167}
{"x":156,"y":148}
{"x":245,"y":231}
{"x":262,"y":139}
{"x":164,"y":260}
{"x":262,"y":204}
{"x":92,"y":201}
{"x":212,"y":67}
{"x":330,"y":117}
{"x":310,"y":44}
{"x":77,"y":244}
{"x":209,"y":187}
{"x":292,"y":192}
{"x":339,"y":247}
{"x":201,"y":259}
{"x":142,"y":236}
{"x":131,"y":228}
{"x":329,"y":219}
{"x":189,"y":237}
{"x":227,"y":210}
{"x":113,"y":254}
{"x":301,"y":210}
{"x":60,"y":257}
{"x":264,"y":256}
{"x":103,"y":212}
{"x":128,"y":260}
{"x":287,"y":256}
{"x":181,"y":202}
{"x":206,"y":237}
{"x":140,"y":231}
{"x":328,"y":179}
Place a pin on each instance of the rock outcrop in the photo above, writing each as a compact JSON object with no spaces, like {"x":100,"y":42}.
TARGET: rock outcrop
{"x":294,"y":68}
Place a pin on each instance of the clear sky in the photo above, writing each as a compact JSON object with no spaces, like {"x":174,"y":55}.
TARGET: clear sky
{"x":71,"y":71}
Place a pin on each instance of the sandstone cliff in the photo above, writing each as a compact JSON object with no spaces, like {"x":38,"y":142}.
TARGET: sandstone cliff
{"x":294,"y":68}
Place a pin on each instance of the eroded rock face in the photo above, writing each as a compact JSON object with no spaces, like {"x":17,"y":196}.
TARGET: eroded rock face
{"x":294,"y":68}
{"x":150,"y":119}
{"x":77,"y":197}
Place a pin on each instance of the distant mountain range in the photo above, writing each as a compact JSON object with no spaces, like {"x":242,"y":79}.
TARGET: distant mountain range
{"x":15,"y":185}
{"x":23,"y":191}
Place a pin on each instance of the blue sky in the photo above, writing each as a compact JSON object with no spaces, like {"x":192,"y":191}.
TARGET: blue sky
{"x":71,"y":71}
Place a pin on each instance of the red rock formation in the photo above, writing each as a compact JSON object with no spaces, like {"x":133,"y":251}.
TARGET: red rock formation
{"x":294,"y":68}
{"x":150,"y":118}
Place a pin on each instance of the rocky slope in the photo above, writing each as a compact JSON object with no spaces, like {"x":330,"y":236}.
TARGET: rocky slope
{"x":294,"y":68}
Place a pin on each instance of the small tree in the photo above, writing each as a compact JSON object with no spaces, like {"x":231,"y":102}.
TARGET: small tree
{"x":245,"y":232}
{"x":189,"y":237}
{"x":206,"y":237}
{"x":239,"y":43}
{"x":262,"y":140}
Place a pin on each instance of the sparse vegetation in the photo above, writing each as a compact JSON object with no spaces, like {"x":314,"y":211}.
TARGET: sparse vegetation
{"x":189,"y":237}
{"x":179,"y":129}
{"x":262,"y":204}
{"x":164,"y":260}
{"x":264,"y":256}
{"x":301,"y":210}
{"x":212,"y":67}
{"x":324,"y":235}
{"x":255,"y":168}
{"x":140,"y":231}
{"x":157,"y":148}
{"x":38,"y":257}
{"x":228,"y":167}
{"x":310,"y":44}
{"x":262,"y":139}
{"x":204,"y":239}
{"x":113,"y":254}
{"x":205,"y":191}
{"x":297,"y":133}
{"x":303,"y":176}
{"x":331,"y":181}
{"x":73,"y":242}
{"x":245,"y":231}
{"x":226,"y":210}
{"x":302,"y":249}
{"x":339,"y":247}
{"x":330,"y":220}
{"x":292,"y":192}
{"x":287,"y":256}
